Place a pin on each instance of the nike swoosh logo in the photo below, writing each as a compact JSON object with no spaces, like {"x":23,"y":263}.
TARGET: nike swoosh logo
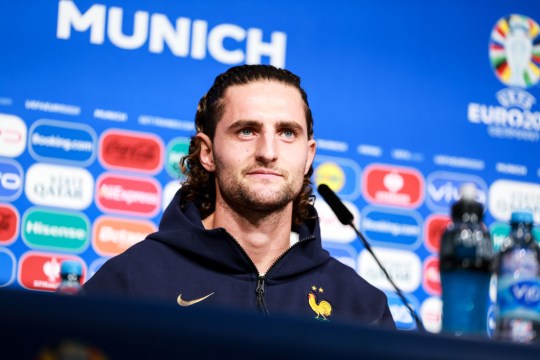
{"x":183,"y":302}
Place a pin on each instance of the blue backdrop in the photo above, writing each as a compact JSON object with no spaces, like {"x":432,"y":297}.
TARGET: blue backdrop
{"x":410,"y":100}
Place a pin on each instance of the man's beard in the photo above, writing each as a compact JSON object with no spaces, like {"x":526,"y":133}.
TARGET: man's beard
{"x":241,"y":197}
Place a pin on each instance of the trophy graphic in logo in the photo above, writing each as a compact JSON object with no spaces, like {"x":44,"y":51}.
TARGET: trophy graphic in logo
{"x":514,"y":51}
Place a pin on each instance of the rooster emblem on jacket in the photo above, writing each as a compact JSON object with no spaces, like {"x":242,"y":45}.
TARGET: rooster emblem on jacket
{"x":322,"y":308}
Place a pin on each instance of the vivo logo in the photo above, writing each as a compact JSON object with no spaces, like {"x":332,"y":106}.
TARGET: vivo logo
{"x":443,"y":189}
{"x":183,"y":37}
{"x":11,"y":179}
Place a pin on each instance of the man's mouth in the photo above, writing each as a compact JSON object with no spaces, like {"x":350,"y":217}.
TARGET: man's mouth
{"x":264,"y":173}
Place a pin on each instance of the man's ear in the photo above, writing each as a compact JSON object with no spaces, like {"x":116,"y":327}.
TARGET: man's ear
{"x":312,"y":148}
{"x":206,"y":156}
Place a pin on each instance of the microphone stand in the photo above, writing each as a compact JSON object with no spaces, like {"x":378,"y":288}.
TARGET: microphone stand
{"x":346,"y":218}
{"x":417,"y":320}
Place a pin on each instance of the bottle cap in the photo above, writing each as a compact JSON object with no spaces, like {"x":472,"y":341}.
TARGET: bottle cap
{"x":71,"y":267}
{"x":467,"y":192}
{"x":467,"y":203}
{"x":522,"y":216}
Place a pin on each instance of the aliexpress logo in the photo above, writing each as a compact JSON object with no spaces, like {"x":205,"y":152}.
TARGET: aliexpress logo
{"x":396,"y":186}
{"x":41,"y":271}
{"x":128,"y":195}
{"x":432,"y":278}
{"x":9,"y":224}
{"x":113,"y":236}
{"x":435,"y":227}
{"x":128,"y":150}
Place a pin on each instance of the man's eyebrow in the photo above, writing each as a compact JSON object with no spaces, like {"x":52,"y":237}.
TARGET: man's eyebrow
{"x":256,"y":124}
{"x":240,"y":124}
{"x":289,"y":125}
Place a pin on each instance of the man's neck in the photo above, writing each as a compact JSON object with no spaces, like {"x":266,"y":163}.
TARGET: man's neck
{"x":264,"y":237}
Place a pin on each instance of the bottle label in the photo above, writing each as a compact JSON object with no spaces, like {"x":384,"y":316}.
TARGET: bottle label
{"x":518,"y":288}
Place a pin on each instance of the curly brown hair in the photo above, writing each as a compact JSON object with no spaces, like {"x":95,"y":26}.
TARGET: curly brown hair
{"x":199,"y":185}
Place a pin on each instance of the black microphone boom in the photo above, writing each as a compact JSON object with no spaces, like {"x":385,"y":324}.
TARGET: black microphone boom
{"x":347,"y":218}
{"x":342,"y":213}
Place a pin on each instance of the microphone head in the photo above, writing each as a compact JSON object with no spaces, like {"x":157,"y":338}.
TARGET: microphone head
{"x":342,"y":213}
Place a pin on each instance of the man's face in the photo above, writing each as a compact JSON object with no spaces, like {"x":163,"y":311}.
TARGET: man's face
{"x":260,"y":151}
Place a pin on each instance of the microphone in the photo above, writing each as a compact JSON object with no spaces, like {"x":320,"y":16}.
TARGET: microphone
{"x":343,"y":214}
{"x":346,"y":218}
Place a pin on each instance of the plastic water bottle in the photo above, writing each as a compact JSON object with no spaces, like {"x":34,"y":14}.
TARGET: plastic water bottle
{"x":466,"y":266}
{"x":71,"y":274}
{"x":518,"y":283}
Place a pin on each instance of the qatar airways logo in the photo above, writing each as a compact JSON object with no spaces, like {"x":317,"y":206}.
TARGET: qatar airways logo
{"x":515,"y":62}
{"x":183,"y":37}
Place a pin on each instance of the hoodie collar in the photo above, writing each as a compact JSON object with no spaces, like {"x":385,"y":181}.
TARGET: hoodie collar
{"x":183,"y":230}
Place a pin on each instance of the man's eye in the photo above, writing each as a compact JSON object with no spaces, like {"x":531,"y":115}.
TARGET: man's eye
{"x":246,"y":132}
{"x":288,"y":133}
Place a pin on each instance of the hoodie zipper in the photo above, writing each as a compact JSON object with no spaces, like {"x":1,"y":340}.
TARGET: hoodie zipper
{"x":259,"y":290}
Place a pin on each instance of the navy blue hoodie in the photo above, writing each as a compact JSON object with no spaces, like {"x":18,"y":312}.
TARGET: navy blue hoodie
{"x":184,"y":259}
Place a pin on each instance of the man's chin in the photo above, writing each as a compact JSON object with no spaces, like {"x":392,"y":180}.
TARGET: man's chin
{"x":266,"y":203}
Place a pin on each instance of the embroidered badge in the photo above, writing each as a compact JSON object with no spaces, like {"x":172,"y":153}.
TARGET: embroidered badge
{"x":323,"y":308}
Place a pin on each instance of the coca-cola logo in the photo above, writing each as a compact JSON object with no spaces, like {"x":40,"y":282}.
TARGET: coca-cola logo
{"x":130,"y":150}
{"x":9,"y":224}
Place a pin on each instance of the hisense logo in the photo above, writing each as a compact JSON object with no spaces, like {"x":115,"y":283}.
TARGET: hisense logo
{"x":183,"y":37}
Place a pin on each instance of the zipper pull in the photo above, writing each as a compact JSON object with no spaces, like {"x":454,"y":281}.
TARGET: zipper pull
{"x":260,"y":295}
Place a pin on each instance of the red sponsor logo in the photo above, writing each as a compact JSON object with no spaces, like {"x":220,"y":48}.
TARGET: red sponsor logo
{"x":432,"y":277}
{"x":395,"y":186}
{"x":9,"y":224}
{"x":41,"y":271}
{"x":434,"y":230}
{"x":128,"y":195}
{"x":113,"y":236}
{"x":131,"y":151}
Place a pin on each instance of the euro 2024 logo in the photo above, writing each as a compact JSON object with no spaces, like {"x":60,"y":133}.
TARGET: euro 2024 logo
{"x":514,"y":52}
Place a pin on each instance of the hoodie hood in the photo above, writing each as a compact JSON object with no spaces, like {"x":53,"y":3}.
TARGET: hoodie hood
{"x":183,"y":230}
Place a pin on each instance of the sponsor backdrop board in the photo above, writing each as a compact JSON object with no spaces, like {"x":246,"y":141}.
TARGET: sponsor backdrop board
{"x":411,"y":100}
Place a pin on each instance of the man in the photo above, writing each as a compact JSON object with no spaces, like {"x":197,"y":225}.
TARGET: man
{"x":242,"y":231}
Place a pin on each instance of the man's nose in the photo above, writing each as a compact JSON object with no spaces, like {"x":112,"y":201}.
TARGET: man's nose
{"x":266,"y":148}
